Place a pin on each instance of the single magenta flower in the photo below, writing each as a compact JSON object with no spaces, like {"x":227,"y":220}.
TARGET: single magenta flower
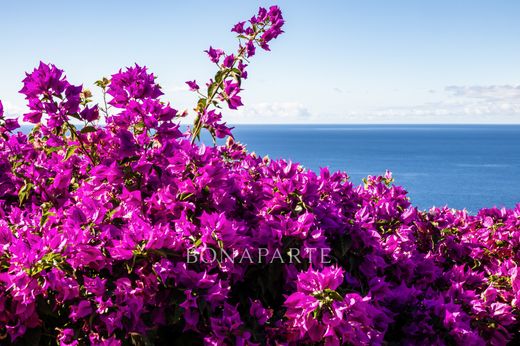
{"x":193,"y":85}
{"x":214,"y":54}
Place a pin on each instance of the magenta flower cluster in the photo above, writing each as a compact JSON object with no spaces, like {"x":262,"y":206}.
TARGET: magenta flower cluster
{"x":97,"y":221}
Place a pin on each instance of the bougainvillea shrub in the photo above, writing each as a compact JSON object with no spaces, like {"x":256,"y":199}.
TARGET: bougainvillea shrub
{"x":119,"y":227}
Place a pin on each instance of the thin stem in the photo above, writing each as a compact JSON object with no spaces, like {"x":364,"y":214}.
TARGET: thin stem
{"x":82,"y":145}
{"x":210,"y":98}
{"x":105,"y":101}
{"x":105,"y":110}
{"x":241,"y":55}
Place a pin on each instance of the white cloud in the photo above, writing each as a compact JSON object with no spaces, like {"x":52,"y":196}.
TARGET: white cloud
{"x":487,"y":92}
{"x":277,"y":109}
{"x":458,"y":104}
{"x":491,"y":100}
{"x":266,"y":113}
{"x":453,"y":104}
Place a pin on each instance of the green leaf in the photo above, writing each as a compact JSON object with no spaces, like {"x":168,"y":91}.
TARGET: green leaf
{"x":50,"y":150}
{"x":212,"y":89}
{"x":218,"y":76}
{"x":49,"y":260}
{"x":25,"y":192}
{"x":70,"y":152}
{"x":45,"y":217}
{"x":333,"y":294}
{"x":102,"y":83}
{"x":75,"y":116}
{"x":197,"y":243}
{"x":236,"y":70}
{"x":201,"y":105}
{"x":88,"y":128}
{"x":109,"y":215}
{"x":185,"y":195}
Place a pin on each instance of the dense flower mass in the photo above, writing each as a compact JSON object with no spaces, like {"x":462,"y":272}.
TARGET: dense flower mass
{"x":97,"y":222}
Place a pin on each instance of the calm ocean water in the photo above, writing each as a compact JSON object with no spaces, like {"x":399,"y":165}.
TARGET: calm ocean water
{"x":462,"y":166}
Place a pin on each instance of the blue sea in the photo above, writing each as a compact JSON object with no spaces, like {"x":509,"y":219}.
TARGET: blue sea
{"x":461,"y":166}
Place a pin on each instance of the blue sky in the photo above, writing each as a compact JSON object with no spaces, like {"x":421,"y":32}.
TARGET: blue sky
{"x":399,"y":61}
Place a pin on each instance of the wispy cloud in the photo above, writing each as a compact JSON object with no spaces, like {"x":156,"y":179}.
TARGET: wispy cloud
{"x":486,"y":92}
{"x":271,"y":112}
{"x":497,"y":100}
{"x":457,"y":103}
{"x":278,"y":109}
{"x":452,"y":104}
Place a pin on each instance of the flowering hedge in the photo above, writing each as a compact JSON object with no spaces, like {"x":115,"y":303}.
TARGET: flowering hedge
{"x":109,"y":231}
